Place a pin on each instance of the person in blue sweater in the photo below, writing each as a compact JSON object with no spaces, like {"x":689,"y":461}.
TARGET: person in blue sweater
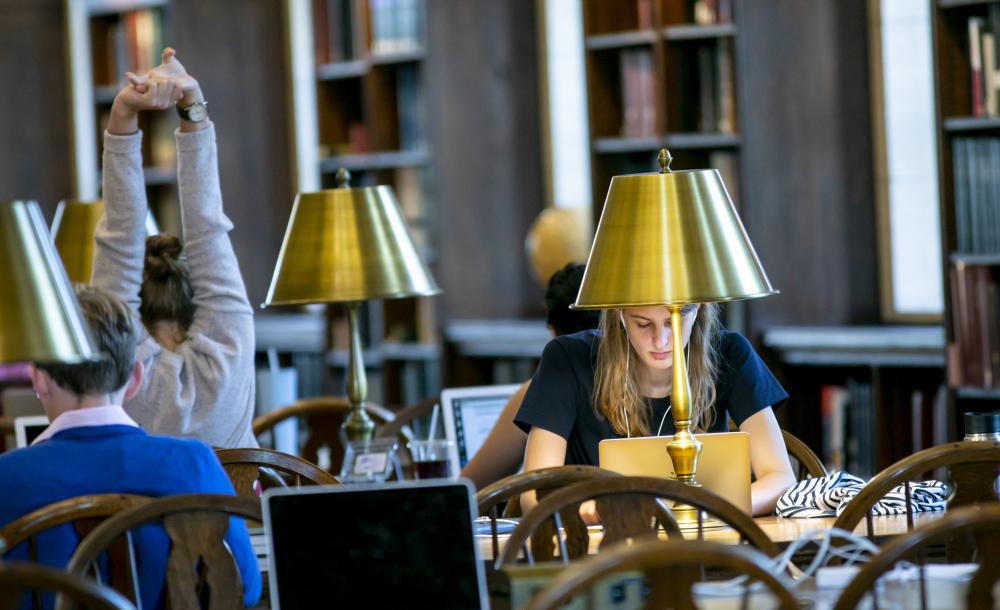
{"x":93,"y":447}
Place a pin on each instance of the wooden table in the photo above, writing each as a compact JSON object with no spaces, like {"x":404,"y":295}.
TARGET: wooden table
{"x":779,"y":529}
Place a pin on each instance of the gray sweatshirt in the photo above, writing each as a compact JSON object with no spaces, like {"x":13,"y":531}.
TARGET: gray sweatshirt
{"x":204,"y":389}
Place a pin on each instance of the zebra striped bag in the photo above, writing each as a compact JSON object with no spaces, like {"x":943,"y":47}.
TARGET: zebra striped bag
{"x":828,"y":497}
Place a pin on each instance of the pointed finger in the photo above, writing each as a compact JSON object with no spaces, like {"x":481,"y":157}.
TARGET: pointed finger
{"x":168,"y":54}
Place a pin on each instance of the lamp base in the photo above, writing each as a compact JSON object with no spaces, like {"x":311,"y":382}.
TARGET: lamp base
{"x":358,"y":426}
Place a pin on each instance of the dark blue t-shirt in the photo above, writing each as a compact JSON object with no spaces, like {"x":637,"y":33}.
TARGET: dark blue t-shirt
{"x":560,"y":397}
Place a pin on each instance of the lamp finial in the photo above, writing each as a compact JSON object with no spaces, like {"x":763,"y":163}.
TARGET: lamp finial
{"x":664,"y":159}
{"x":343,"y":178}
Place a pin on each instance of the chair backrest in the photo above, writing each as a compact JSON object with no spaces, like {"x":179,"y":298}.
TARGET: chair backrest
{"x":323,"y":416}
{"x":980,"y":523}
{"x":809,"y":464}
{"x":627,"y":506}
{"x":18,"y":578}
{"x":508,"y":490}
{"x":84,"y":512}
{"x":244,"y":466}
{"x":973,"y":466}
{"x":196,"y":525}
{"x":671,"y":567}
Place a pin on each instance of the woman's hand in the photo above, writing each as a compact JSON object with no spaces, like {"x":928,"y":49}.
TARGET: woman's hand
{"x":171,"y":69}
{"x":156,"y":94}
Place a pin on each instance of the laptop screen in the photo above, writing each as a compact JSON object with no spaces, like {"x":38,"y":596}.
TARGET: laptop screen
{"x":27,"y":429}
{"x":406,"y":545}
{"x":470,"y":414}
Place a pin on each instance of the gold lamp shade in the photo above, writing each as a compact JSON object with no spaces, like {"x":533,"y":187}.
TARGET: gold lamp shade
{"x":40,"y":318}
{"x":344,"y":245}
{"x":348,"y":245}
{"x":73,"y":229}
{"x":670,"y":237}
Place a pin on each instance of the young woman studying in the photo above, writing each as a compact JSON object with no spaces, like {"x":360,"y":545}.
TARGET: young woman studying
{"x":615,"y":382}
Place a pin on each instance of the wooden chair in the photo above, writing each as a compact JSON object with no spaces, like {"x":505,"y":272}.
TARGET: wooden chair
{"x":199,"y":560}
{"x":671,"y":568}
{"x":979,"y":523}
{"x":973,"y":466}
{"x":17,"y":579}
{"x":84,"y":512}
{"x":244,"y":466}
{"x":323,"y":416}
{"x":809,"y":464}
{"x":627,"y":506}
{"x":507,"y":491}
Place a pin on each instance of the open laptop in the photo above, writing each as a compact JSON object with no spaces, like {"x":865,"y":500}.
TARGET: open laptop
{"x":723,"y":467}
{"x":27,"y":428}
{"x":394,"y":545}
{"x":469,"y":415}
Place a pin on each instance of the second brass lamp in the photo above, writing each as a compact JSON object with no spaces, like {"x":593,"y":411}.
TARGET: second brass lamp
{"x":348,"y":245}
{"x":671,"y":238}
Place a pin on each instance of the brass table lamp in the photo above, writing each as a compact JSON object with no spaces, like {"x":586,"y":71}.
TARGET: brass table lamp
{"x":347,"y":245}
{"x":40,"y":319}
{"x":671,"y":238}
{"x":73,"y":228}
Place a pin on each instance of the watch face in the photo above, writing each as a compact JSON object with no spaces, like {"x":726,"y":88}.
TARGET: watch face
{"x":196,"y":113}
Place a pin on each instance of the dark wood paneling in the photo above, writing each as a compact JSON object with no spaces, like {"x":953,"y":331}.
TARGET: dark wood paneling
{"x":809,"y":201}
{"x":237,"y":54}
{"x":34,"y":129}
{"x":482,"y":87}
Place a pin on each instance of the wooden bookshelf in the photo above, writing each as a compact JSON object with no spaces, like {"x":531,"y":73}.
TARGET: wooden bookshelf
{"x":359,"y":98}
{"x":106,"y":39}
{"x":661,"y":73}
{"x":967,"y":71}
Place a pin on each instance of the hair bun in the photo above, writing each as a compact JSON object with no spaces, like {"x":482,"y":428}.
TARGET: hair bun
{"x":163,"y":257}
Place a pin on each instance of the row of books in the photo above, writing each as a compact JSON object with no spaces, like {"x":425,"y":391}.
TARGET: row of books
{"x":340,"y":32}
{"x":984,"y":62}
{"x":638,"y":82}
{"x":397,"y":25}
{"x":131,"y":43}
{"x":849,"y":425}
{"x":716,"y":90}
{"x":848,"y":421}
{"x":705,"y":95}
{"x":976,"y":175}
{"x":974,"y":357}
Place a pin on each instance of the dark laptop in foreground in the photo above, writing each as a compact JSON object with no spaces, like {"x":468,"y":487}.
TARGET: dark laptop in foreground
{"x":394,"y":545}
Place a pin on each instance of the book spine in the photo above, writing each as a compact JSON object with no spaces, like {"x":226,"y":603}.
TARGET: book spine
{"x":976,"y":65}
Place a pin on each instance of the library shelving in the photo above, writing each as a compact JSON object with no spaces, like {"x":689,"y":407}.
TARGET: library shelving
{"x":106,"y":38}
{"x":967,"y":72}
{"x":358,"y":74}
{"x":662,"y":73}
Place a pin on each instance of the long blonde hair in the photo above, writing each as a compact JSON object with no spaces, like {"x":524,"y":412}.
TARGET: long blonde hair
{"x":618,"y":368}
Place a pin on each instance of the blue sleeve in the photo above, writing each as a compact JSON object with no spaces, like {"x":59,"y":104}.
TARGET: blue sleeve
{"x":553,"y":397}
{"x":746,"y":385}
{"x":215,"y":480}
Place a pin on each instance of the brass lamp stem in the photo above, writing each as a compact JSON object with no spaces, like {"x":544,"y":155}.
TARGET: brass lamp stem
{"x":684,"y":449}
{"x":358,"y":426}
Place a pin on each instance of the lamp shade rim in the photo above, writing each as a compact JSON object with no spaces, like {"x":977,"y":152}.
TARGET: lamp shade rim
{"x":390,"y":296}
{"x":689,"y":301}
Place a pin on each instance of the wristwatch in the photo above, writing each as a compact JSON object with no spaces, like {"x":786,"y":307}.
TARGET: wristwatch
{"x":195,"y":113}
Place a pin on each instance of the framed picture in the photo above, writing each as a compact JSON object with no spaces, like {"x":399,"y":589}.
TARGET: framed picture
{"x":371,"y":461}
{"x":904,"y":141}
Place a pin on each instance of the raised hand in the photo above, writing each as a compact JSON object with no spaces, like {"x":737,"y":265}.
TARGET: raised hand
{"x":170,"y":68}
{"x":156,"y":94}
